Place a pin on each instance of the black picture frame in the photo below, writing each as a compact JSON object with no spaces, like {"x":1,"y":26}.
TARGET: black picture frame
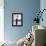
{"x":19,"y":21}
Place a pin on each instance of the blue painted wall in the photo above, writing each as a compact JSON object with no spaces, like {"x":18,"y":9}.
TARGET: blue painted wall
{"x":28,"y":8}
{"x":43,"y":6}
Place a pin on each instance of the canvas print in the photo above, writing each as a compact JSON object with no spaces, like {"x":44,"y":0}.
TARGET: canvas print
{"x":17,"y":19}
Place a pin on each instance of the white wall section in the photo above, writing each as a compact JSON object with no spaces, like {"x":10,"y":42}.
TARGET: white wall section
{"x":1,"y":20}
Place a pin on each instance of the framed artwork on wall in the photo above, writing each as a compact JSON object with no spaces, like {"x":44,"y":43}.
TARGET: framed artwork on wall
{"x":17,"y":19}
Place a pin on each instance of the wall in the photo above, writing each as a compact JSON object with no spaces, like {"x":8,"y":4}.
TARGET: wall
{"x":43,"y":6}
{"x":28,"y":8}
{"x":1,"y":20}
